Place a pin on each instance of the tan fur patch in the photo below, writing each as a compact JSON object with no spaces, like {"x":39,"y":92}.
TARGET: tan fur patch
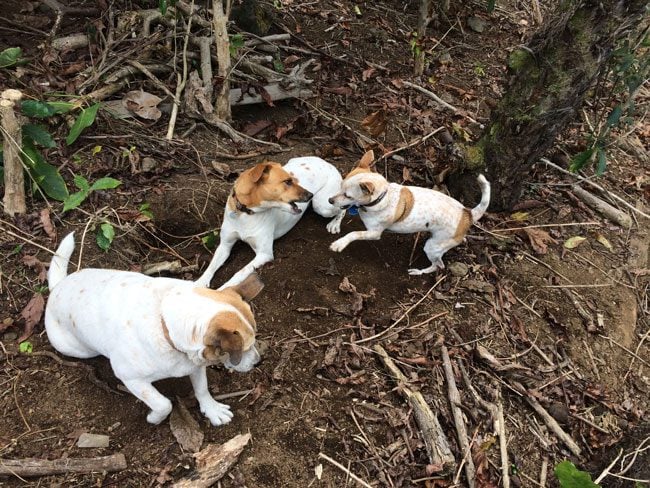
{"x":364,"y":165}
{"x":404,"y":205}
{"x":464,"y":224}
{"x":266,"y":182}
{"x":165,"y":330}
{"x":226,"y":333}
{"x":231,"y":298}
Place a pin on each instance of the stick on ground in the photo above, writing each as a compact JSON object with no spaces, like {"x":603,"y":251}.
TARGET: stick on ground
{"x":434,"y":437}
{"x":45,"y":467}
{"x":14,"y":179}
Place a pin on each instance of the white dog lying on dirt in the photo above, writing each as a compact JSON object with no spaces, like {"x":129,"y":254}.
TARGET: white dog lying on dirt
{"x":151,"y":328}
{"x":406,"y":209}
{"x":267,"y":200}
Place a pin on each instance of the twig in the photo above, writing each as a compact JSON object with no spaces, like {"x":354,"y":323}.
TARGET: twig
{"x":589,"y":321}
{"x":45,"y":467}
{"x":434,"y":437}
{"x":371,"y":338}
{"x":612,"y":213}
{"x":180,"y":81}
{"x":597,"y":186}
{"x":639,"y":358}
{"x":533,"y":258}
{"x":240,"y":393}
{"x":437,"y":99}
{"x":607,"y":470}
{"x":454,"y":403}
{"x":151,"y":76}
{"x":344,"y":469}
{"x":569,"y":224}
{"x":543,"y":472}
{"x":415,"y":142}
{"x":629,"y":369}
{"x":222,"y":43}
{"x":24,"y":239}
{"x":14,"y":180}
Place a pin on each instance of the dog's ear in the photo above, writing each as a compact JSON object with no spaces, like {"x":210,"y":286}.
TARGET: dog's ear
{"x":259,"y":171}
{"x":223,"y":340}
{"x":367,"y":187}
{"x":367,"y":159}
{"x":249,"y":288}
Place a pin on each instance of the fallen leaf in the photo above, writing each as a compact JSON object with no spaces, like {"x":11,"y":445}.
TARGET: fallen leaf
{"x":318,"y":471}
{"x":32,"y":314}
{"x":368,"y":73}
{"x":406,"y":175}
{"x":539,"y":240}
{"x":603,"y":240}
{"x":254,"y":128}
{"x":339,"y":90}
{"x":186,"y":430}
{"x":519,"y":216}
{"x":573,"y":242}
{"x":37,"y":265}
{"x":375,"y":123}
{"x":222,"y":169}
{"x":48,"y":227}
{"x":143,"y":104}
{"x":266,"y":96}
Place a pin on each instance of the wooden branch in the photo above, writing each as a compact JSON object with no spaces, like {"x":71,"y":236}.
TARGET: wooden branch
{"x":222,"y":42}
{"x":204,"y":44}
{"x":437,"y":99}
{"x":434,"y":437}
{"x":275,"y":91}
{"x":45,"y":467}
{"x":14,"y":179}
{"x":119,"y":80}
{"x":454,"y":403}
{"x":214,"y":461}
{"x":74,"y":41}
{"x":612,"y":213}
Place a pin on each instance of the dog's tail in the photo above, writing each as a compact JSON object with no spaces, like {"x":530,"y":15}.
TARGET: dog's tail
{"x":479,"y":210}
{"x":59,"y":264}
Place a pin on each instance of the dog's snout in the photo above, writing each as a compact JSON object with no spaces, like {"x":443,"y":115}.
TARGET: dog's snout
{"x":309,"y":195}
{"x":331,"y":200}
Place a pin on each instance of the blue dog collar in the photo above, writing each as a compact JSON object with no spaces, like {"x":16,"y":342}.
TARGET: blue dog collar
{"x":353,"y":210}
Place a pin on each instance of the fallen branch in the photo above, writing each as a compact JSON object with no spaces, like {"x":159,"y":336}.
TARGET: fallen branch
{"x":173,"y":267}
{"x":437,"y":99}
{"x":454,"y":403}
{"x":612,"y":213}
{"x":213,"y":462}
{"x":74,"y":41}
{"x":14,"y":179}
{"x":434,"y":436}
{"x":344,"y":469}
{"x":415,"y":142}
{"x":45,"y":467}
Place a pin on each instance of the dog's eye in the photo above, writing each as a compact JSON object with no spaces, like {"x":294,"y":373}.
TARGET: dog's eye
{"x":288,"y":182}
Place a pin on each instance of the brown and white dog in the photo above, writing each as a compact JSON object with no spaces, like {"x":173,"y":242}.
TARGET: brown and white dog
{"x":151,"y":328}
{"x":267,"y":200}
{"x":406,"y":209}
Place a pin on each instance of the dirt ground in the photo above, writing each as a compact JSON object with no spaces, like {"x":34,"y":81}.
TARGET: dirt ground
{"x":570,"y":325}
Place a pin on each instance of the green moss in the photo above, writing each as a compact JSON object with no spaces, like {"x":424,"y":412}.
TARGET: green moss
{"x":519,"y":59}
{"x":474,"y":155}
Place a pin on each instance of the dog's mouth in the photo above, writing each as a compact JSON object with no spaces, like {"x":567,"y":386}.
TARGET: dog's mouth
{"x":295,"y":208}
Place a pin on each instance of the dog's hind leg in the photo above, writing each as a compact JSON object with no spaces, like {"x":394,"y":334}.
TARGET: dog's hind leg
{"x":434,"y":250}
{"x":160,"y":405}
{"x":227,"y":241}
{"x":217,"y":413}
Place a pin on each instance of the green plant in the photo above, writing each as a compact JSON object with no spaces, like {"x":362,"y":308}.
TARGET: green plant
{"x":25,"y":347}
{"x":628,"y":69}
{"x":210,"y":240}
{"x":145,"y":209}
{"x":105,"y":236}
{"x":10,"y":57}
{"x":235,"y":44}
{"x":571,"y":477}
{"x":85,"y":188}
{"x":163,"y":4}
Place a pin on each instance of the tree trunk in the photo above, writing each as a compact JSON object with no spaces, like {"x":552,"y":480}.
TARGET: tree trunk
{"x":220,"y":21}
{"x":14,"y":181}
{"x":550,"y":79}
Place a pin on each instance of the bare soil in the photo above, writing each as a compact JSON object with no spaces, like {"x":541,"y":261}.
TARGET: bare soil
{"x":316,"y":390}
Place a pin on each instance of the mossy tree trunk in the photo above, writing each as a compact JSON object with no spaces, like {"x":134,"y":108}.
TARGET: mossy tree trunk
{"x":550,"y":78}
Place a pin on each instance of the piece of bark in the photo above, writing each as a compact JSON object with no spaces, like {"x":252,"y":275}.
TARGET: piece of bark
{"x":434,"y":437}
{"x":14,"y":179}
{"x":74,"y":41}
{"x":213,"y":462}
{"x":45,"y":467}
{"x":612,"y":213}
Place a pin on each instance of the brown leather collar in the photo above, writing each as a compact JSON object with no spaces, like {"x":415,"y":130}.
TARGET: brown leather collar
{"x":166,"y":334}
{"x":240,"y":206}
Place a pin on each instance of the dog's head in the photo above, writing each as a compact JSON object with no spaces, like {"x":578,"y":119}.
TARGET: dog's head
{"x":232,"y":330}
{"x":268,"y":185}
{"x":361,"y":186}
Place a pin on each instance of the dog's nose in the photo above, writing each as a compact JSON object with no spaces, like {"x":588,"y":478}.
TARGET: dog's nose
{"x":310,"y":195}
{"x":331,"y":200}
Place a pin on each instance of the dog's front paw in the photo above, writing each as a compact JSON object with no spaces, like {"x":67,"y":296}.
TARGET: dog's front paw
{"x":334,"y":227}
{"x":416,"y":272}
{"x":217,"y":413}
{"x":338,"y":246}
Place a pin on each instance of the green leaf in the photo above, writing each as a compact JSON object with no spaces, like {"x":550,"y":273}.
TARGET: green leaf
{"x":10,"y":56}
{"x":145,"y":209}
{"x":25,"y":347}
{"x":581,"y":159}
{"x":278,"y":65}
{"x":105,"y":184}
{"x":39,"y":135}
{"x":571,"y":477}
{"x":162,"y":6}
{"x":36,"y":108}
{"x":74,"y":200}
{"x":602,"y":161}
{"x":86,"y":119}
{"x":491,"y":5}
{"x":62,"y":107}
{"x":236,"y":42}
{"x":45,"y":175}
{"x":210,"y":240}
{"x":105,"y":236}
{"x":81,"y":183}
{"x":614,"y":116}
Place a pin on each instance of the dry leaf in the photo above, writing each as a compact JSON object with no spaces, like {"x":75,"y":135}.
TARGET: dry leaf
{"x":143,"y":104}
{"x":375,"y":123}
{"x":186,"y":430}
{"x":32,"y":314}
{"x":254,"y":128}
{"x":603,"y":240}
{"x":519,"y":216}
{"x":539,"y":240}
{"x":37,"y":265}
{"x":573,"y":242}
{"x":266,"y":96}
{"x":368,"y":73}
{"x":48,"y":227}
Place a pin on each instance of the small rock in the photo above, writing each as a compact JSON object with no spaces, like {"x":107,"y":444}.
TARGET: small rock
{"x":481,"y":286}
{"x":444,"y":58}
{"x":114,"y":426}
{"x":476,"y":24}
{"x":458,"y":269}
{"x":148,"y":164}
{"x":559,"y":412}
{"x":10,"y":336}
{"x":93,"y":440}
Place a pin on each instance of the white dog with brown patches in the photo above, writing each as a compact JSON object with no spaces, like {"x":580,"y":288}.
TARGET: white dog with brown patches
{"x":406,"y":209}
{"x":151,"y":328}
{"x":267,"y":200}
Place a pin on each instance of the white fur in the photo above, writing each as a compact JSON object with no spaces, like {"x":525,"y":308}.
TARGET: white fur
{"x":260,"y":229}
{"x":119,"y":314}
{"x":432,"y":212}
